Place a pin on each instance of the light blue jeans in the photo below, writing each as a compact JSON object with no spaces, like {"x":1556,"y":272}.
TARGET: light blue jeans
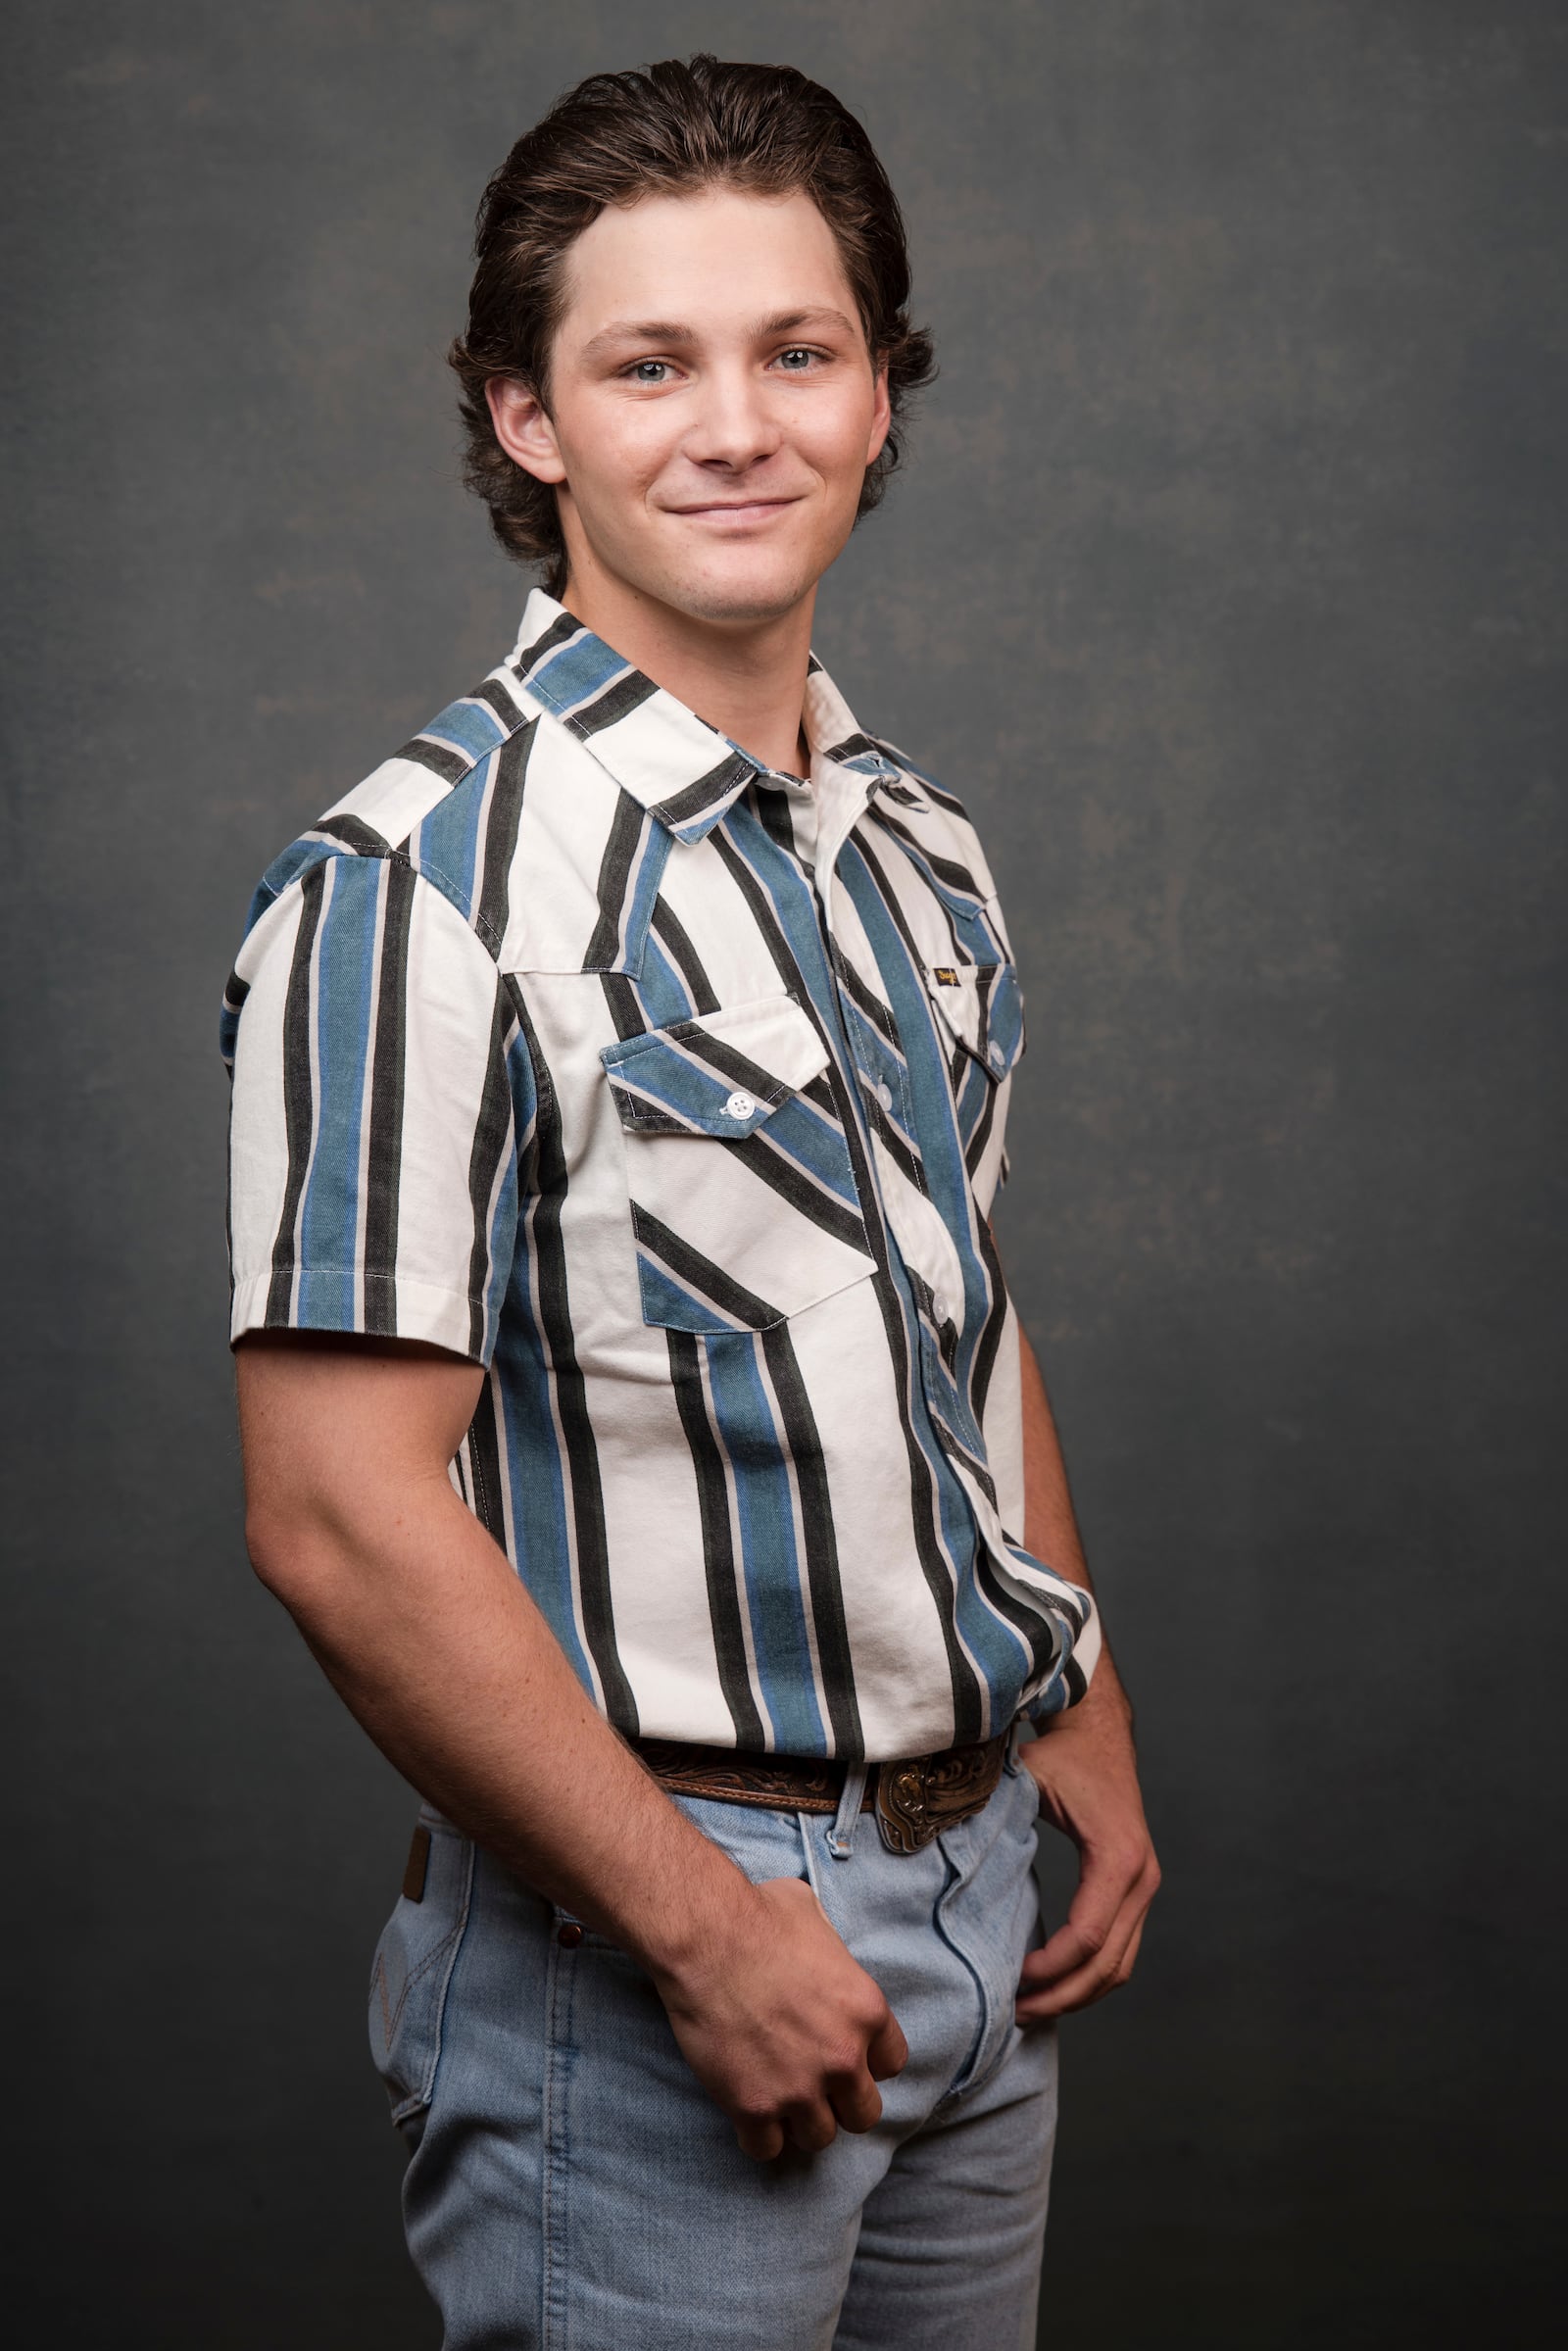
{"x":571,"y":2187}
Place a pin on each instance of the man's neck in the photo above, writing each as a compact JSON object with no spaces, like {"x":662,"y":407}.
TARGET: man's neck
{"x":746,"y":678}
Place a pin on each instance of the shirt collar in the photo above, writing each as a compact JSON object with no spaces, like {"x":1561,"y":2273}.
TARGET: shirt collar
{"x":683,"y":772}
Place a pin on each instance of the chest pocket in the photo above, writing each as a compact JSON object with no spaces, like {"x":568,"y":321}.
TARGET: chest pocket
{"x":981,"y":1020}
{"x":744,"y":1208}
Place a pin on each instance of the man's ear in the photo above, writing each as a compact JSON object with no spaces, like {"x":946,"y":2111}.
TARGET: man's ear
{"x":881,"y":417}
{"x":522,"y":428}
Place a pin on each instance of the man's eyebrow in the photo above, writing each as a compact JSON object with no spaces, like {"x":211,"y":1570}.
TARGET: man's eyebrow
{"x":635,"y":331}
{"x":676,"y":336}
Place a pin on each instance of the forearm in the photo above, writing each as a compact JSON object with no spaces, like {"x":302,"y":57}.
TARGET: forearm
{"x":424,"y":1628}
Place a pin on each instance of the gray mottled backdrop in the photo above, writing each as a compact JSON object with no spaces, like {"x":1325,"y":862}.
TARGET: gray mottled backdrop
{"x":1227,"y":583}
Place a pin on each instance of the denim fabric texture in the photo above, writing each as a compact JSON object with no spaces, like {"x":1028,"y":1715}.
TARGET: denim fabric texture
{"x":571,"y":2187}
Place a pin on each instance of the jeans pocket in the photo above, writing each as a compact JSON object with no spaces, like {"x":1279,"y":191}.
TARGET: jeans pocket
{"x":413,"y":1963}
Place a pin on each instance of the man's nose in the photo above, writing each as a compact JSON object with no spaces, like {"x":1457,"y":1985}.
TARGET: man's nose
{"x":734,"y":424}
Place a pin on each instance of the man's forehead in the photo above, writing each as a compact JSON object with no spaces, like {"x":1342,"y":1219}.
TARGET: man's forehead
{"x":671,"y":266}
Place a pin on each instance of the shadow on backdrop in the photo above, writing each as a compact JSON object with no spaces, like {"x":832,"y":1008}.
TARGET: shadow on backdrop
{"x":1227,"y":585}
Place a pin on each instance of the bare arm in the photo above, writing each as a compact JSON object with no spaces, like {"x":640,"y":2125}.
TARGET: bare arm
{"x":419,"y":1621}
{"x":1084,"y":1763}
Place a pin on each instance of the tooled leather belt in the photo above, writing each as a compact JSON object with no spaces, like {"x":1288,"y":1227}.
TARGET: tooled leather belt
{"x":915,"y":1798}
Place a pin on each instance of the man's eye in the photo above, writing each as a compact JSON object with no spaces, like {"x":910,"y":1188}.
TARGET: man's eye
{"x":647,"y":371}
{"x":797,"y":359}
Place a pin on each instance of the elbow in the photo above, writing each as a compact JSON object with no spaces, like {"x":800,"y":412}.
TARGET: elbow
{"x":291,"y":1553}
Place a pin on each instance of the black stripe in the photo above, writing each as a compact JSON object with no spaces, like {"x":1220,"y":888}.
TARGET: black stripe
{"x":297,"y":1097}
{"x":571,"y":1396}
{"x":720,"y":783}
{"x":773,"y":815}
{"x":440,"y":758}
{"x":492,"y":1141}
{"x":896,"y":914}
{"x":821,"y":1542}
{"x":718,"y":1549}
{"x":558,"y":633}
{"x":1038,"y":1628}
{"x":895,"y":1146}
{"x":668,"y":929}
{"x":969,"y":1705}
{"x":614,"y":873}
{"x":975,"y":1148}
{"x":484,"y":1460}
{"x":990,"y":1338}
{"x":493,"y":694}
{"x":620,"y":699}
{"x":501,"y":835}
{"x":624,"y":1010}
{"x":864,"y":999}
{"x":985,"y":979}
{"x":384,"y":1154}
{"x":772,"y":1167}
{"x":235,"y":990}
{"x":354,"y":833}
{"x":947,"y":869}
{"x":853,"y":746}
{"x":700,"y":1273}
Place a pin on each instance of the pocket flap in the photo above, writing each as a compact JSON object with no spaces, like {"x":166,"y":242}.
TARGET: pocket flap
{"x":720,"y":1073}
{"x":982,"y":1007}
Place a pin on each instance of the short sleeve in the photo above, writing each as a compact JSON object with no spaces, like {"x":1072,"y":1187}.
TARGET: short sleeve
{"x":380,"y":1085}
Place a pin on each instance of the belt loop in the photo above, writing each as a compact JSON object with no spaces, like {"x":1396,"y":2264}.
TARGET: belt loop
{"x":841,"y":1837}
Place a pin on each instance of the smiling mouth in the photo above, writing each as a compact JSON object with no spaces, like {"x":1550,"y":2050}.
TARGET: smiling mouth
{"x":736,"y":506}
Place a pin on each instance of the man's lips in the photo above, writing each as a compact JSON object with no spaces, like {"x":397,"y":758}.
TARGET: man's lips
{"x":734,"y":506}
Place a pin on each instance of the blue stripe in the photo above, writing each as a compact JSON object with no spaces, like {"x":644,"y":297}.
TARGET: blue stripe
{"x":346,"y":952}
{"x":576,"y":672}
{"x":470,"y":727}
{"x":664,"y":995}
{"x":540,"y":1516}
{"x":652,"y":856}
{"x":766,"y":1508}
{"x":445,"y":846}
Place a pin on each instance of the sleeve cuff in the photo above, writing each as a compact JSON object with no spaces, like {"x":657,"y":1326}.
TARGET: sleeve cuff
{"x":332,"y":1298}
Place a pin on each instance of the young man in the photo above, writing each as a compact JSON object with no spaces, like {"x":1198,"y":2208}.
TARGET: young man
{"x":635,"y":1420}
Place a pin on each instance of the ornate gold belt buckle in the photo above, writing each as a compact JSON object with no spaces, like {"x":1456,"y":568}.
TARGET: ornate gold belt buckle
{"x":902,"y":1812}
{"x":918,"y":1799}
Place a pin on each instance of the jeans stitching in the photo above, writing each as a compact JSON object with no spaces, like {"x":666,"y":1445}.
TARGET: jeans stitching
{"x":557,"y":2167}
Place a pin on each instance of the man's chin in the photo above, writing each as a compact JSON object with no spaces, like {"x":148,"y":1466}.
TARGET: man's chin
{"x":740,"y":597}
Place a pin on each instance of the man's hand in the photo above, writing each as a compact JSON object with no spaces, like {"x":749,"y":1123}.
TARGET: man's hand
{"x":786,"y":2032}
{"x":1086,"y":1774}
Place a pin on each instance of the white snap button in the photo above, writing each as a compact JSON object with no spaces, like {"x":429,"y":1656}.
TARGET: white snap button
{"x":939,"y":1304}
{"x":996,"y":1057}
{"x":738,"y":1105}
{"x":884,"y":1095}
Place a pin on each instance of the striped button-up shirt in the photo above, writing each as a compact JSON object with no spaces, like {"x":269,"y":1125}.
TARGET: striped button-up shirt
{"x":672,"y":1089}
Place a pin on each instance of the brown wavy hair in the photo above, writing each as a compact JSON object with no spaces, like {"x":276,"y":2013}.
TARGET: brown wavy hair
{"x":674,"y":127}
